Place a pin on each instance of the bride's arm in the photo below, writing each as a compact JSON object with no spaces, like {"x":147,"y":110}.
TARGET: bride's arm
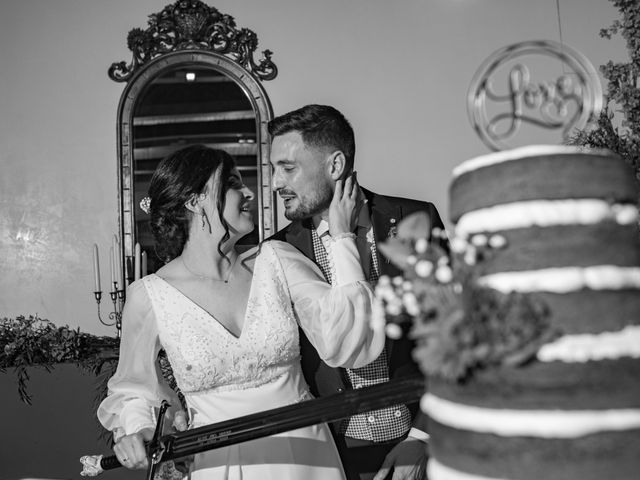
{"x":335,"y":318}
{"x":137,"y":385}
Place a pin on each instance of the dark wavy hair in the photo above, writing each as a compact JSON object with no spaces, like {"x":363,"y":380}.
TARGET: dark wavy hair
{"x":320,"y":126}
{"x":176,"y":179}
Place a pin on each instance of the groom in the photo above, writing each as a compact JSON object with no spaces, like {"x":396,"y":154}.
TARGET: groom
{"x":312,"y":148}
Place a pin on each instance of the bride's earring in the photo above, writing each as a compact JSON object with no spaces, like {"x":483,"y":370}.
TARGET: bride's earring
{"x":204,"y":216}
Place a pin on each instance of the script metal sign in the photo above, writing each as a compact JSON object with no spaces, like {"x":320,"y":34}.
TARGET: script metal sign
{"x":507,"y":95}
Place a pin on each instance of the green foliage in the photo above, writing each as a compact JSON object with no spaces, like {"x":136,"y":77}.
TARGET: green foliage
{"x":622,"y":93}
{"x":36,"y":342}
{"x":490,"y":329}
{"x":459,"y":326}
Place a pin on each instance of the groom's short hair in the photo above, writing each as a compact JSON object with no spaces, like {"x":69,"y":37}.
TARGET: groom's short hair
{"x":320,"y":126}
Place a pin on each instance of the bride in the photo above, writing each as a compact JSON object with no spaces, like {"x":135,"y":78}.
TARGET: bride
{"x":228,"y":322}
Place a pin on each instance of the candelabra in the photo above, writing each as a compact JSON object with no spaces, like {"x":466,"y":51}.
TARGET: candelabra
{"x":115,"y":316}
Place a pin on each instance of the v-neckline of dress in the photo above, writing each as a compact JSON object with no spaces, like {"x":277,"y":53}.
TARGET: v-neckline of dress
{"x":209,"y":314}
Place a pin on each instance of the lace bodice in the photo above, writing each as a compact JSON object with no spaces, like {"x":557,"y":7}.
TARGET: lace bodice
{"x":210,"y":363}
{"x":204,"y":355}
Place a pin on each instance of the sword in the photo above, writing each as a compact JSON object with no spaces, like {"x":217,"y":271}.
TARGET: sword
{"x":263,"y":424}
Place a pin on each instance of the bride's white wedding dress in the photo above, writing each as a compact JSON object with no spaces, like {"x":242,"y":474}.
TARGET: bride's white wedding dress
{"x":223,"y":376}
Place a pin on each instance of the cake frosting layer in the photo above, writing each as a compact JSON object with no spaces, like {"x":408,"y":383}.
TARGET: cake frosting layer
{"x":593,"y":346}
{"x":557,"y":176}
{"x":564,"y":279}
{"x":523,"y":152}
{"x":459,"y":455}
{"x":605,"y":243}
{"x":592,"y":385}
{"x":544,"y":213}
{"x":438,"y":471}
{"x":537,"y":423}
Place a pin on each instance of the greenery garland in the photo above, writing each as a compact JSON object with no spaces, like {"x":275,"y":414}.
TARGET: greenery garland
{"x":36,"y":342}
{"x":623,"y":93}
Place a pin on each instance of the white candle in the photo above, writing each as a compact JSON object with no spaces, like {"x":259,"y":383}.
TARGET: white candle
{"x":117,"y":252}
{"x":143,"y":267}
{"x":112,"y":266}
{"x":136,"y":263}
{"x":96,"y":268}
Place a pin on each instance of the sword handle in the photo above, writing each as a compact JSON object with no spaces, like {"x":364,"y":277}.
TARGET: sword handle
{"x":156,"y":448}
{"x":94,"y":465}
{"x":109,"y":463}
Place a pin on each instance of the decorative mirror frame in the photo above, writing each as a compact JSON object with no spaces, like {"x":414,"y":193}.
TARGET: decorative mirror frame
{"x":189,"y":33}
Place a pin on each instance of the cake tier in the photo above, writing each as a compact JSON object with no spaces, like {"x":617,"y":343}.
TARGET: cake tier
{"x":559,"y":174}
{"x":605,"y":243}
{"x":592,"y":311}
{"x":600,"y":456}
{"x":606,"y":384}
{"x":569,"y":218}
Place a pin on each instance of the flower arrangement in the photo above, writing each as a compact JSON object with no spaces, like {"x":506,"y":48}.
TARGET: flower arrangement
{"x":458,"y":325}
{"x":36,"y":342}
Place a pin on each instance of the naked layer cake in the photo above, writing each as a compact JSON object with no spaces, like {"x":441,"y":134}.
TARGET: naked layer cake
{"x":570,"y":220}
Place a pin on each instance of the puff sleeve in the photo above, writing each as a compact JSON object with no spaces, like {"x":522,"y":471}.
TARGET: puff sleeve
{"x":137,"y":387}
{"x":335,"y":318}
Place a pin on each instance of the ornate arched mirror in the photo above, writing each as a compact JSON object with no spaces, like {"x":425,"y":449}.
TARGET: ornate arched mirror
{"x":193,"y":79}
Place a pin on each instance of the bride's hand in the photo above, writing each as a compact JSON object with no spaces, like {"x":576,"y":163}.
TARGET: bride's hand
{"x":130,"y":449}
{"x":342,"y":211}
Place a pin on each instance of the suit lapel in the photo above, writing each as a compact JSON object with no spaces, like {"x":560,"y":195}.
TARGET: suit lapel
{"x":299,"y":235}
{"x":384,"y":217}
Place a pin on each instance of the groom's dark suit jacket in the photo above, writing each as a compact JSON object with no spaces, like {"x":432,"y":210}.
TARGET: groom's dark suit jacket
{"x":386,"y":212}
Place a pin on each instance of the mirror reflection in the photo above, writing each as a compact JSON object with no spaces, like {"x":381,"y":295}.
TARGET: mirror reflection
{"x":184,"y":106}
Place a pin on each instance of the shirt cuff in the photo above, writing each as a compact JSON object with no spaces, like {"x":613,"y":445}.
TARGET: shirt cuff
{"x":419,"y":435}
{"x":136,"y":416}
{"x":345,"y":261}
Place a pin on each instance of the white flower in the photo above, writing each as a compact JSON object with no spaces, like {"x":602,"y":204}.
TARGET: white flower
{"x":397,"y":281}
{"x":424,"y":268}
{"x":444,"y":274}
{"x":470,"y":255}
{"x":394,"y":308}
{"x":422,"y":245}
{"x":625,"y":214}
{"x":479,"y":240}
{"x":411,"y":303}
{"x":412,"y":259}
{"x":497,"y":241}
{"x":394,"y":331}
{"x":385,"y":292}
{"x":458,"y":244}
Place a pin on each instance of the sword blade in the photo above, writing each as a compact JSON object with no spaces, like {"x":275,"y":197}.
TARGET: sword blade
{"x":269,"y":422}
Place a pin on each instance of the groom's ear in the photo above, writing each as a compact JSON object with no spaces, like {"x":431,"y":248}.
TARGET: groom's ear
{"x":337,"y":165}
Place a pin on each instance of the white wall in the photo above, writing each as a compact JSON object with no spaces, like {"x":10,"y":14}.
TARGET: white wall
{"x":398,"y":70}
